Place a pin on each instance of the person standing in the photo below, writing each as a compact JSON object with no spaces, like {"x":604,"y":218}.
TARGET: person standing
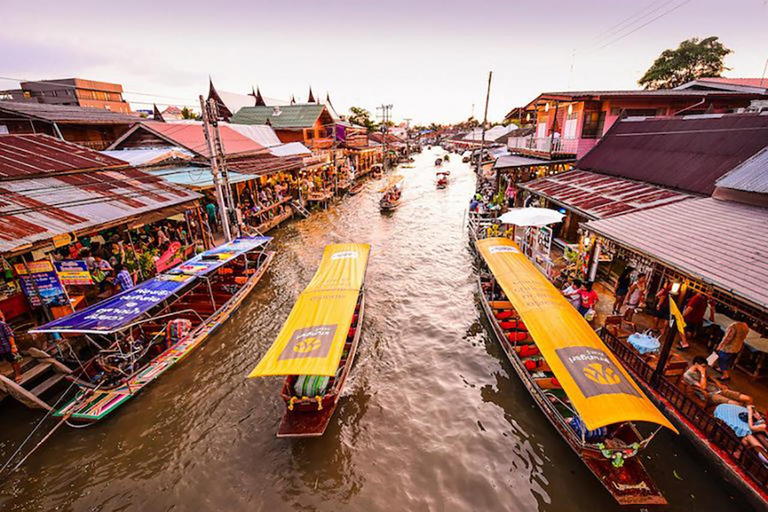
{"x":661,"y":309}
{"x":635,"y":296}
{"x":123,"y":278}
{"x":8,"y":349}
{"x":693,"y":314}
{"x":729,"y":348}
{"x":210,"y":209}
{"x":622,"y":288}
{"x":589,"y":298}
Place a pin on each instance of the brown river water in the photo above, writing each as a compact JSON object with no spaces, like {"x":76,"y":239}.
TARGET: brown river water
{"x":433,"y":417}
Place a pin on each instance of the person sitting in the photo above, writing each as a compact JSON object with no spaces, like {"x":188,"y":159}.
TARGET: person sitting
{"x":572,"y":293}
{"x":589,"y":298}
{"x":123,"y":279}
{"x":710,"y":390}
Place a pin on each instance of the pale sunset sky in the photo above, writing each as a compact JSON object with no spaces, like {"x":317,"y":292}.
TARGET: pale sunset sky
{"x":430,"y":59}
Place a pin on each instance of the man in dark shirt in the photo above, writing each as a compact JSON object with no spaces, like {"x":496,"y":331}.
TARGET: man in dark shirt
{"x":8,"y":350}
{"x":693,"y":314}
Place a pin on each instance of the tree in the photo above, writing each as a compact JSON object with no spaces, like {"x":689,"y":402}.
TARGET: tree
{"x":186,"y":113}
{"x":694,"y":58}
{"x":362,"y":117}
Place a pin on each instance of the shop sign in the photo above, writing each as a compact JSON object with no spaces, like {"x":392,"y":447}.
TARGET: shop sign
{"x":73,"y":272}
{"x":62,"y":240}
{"x":41,"y":284}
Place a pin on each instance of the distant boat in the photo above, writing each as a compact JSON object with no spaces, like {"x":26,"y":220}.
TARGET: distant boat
{"x":438,"y":162}
{"x":151,"y":327}
{"x":442,"y":179}
{"x":575,"y":380}
{"x":316,"y":347}
{"x":356,"y":188}
{"x":392,"y":193}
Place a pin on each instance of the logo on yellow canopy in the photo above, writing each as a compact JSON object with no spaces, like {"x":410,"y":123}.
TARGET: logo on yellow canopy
{"x":594,"y":372}
{"x":313,"y":341}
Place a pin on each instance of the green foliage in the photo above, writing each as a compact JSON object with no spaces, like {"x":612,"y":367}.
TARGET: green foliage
{"x":694,"y":58}
{"x":186,"y":113}
{"x":362,"y":117}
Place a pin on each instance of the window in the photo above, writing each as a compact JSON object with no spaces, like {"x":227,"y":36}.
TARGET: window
{"x":594,"y":122}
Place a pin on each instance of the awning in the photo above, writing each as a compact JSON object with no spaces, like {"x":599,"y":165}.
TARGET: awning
{"x":312,"y":339}
{"x":117,"y":312}
{"x":196,"y":178}
{"x":598,"y":196}
{"x":599,"y":388}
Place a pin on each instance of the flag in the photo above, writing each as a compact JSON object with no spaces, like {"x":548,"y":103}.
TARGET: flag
{"x":675,"y":311}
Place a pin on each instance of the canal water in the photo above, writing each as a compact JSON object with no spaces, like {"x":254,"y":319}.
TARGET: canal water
{"x":432,"y":419}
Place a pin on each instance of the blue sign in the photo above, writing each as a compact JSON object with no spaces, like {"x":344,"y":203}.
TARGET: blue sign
{"x":114,"y":313}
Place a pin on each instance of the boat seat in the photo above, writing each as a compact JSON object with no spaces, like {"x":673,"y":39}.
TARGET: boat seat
{"x":518,"y":337}
{"x":505,"y":315}
{"x":512,"y":325}
{"x":524,"y":351}
{"x":500,"y":304}
{"x":537,"y":364}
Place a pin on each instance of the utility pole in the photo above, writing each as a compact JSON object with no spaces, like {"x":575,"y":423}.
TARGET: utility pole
{"x":408,"y":134}
{"x":210,"y":126}
{"x":485,"y":121}
{"x":385,"y":118}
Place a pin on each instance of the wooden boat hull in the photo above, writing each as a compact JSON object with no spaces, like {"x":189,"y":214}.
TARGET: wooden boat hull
{"x":90,"y":406}
{"x":629,"y":485}
{"x":356,"y":189}
{"x":313,"y":422}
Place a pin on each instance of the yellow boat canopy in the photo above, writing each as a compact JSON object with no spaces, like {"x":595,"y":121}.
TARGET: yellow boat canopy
{"x":393,"y":181}
{"x":598,"y":386}
{"x":312,"y":339}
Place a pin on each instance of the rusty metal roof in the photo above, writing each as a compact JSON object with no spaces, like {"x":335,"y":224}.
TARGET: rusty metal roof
{"x":688,"y":153}
{"x":597,"y":196}
{"x":66,"y":114}
{"x":24,"y":156}
{"x":50,"y":194}
{"x":750,"y":176}
{"x":719,"y":242}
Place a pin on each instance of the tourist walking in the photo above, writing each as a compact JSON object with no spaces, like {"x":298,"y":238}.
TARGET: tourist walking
{"x":622,"y":288}
{"x":635,"y":296}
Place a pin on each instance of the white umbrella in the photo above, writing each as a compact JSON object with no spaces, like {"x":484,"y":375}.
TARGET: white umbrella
{"x":537,"y":217}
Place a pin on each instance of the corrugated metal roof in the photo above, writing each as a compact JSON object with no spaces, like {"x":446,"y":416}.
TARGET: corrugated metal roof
{"x":192,"y":137}
{"x":508,"y":161}
{"x":66,"y":114}
{"x":264,"y":164}
{"x":291,"y":116}
{"x":720,"y":242}
{"x":149,"y":156}
{"x":750,"y":176}
{"x":641,"y":93}
{"x":597,"y":196}
{"x":747,"y":82}
{"x":35,"y":210}
{"x":290,"y":149}
{"x":37,"y":154}
{"x":685,"y":153}
{"x":260,"y":133}
{"x":196,"y":177}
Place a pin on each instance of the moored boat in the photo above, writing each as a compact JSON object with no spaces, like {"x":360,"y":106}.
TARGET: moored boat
{"x":377,"y":170}
{"x":392,"y":193}
{"x":575,"y":380}
{"x":316,"y":347}
{"x":146,"y":330}
{"x":356,"y":188}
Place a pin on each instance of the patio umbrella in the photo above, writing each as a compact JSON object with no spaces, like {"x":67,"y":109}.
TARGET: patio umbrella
{"x":536,"y":217}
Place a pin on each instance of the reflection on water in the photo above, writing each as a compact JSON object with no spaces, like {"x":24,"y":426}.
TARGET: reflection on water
{"x":432,"y":418}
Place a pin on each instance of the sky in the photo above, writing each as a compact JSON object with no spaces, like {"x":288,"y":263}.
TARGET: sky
{"x":428,"y":58}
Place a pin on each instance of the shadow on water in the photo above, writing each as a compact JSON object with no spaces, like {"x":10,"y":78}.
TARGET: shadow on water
{"x":433,"y":417}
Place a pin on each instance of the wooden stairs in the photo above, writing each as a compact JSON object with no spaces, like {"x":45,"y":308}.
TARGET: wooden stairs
{"x":40,"y":373}
{"x":300,"y":209}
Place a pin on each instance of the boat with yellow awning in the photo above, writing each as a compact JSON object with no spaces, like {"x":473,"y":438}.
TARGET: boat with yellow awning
{"x":574,"y":378}
{"x":316,"y":346}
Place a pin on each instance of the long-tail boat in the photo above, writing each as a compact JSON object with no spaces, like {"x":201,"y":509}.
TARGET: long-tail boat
{"x":442,"y":178}
{"x":575,"y":380}
{"x":144,"y":331}
{"x":392,"y":193}
{"x":316,"y":347}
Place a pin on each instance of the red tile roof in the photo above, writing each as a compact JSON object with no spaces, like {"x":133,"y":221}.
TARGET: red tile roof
{"x":597,"y":196}
{"x":721,"y":243}
{"x":687,"y":153}
{"x":23,"y":156}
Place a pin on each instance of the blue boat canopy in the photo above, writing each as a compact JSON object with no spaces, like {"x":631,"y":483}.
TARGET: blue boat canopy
{"x":115,"y":313}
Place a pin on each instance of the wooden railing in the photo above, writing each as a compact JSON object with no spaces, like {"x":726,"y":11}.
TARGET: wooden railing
{"x":717,"y":432}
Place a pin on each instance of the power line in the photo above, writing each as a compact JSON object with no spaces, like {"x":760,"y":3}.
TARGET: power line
{"x":640,"y":27}
{"x":630,"y":20}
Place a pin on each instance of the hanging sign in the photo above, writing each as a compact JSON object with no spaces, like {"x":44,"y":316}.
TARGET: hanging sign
{"x":73,"y":272}
{"x":41,"y":284}
{"x":62,"y":240}
{"x":169,"y":259}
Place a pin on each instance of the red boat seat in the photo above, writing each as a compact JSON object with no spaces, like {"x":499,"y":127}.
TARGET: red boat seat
{"x":504,"y":315}
{"x":516,"y":337}
{"x":527,"y":350}
{"x":352,"y":332}
{"x":512,"y":325}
